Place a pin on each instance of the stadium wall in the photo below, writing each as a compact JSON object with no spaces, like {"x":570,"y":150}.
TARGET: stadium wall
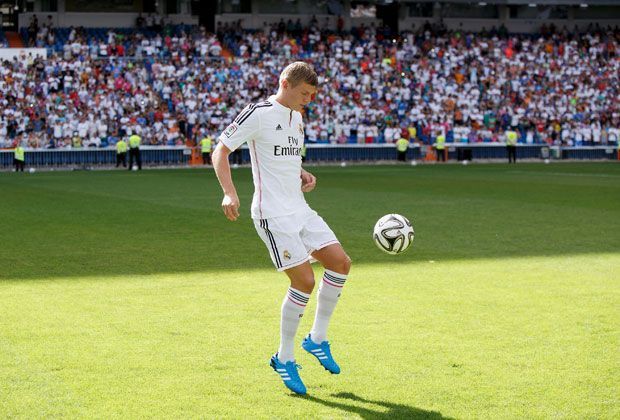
{"x":181,"y":156}
{"x":22,"y":53}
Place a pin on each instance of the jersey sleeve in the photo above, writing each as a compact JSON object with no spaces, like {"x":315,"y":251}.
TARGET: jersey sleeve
{"x":241,"y":129}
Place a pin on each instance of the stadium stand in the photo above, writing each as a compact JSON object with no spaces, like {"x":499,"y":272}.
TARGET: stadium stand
{"x":172,"y":84}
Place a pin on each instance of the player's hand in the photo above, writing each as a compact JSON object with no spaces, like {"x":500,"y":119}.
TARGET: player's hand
{"x":230,"y":205}
{"x":308,"y":181}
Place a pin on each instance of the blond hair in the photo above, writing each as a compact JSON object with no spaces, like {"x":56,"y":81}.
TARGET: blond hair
{"x":299,"y":72}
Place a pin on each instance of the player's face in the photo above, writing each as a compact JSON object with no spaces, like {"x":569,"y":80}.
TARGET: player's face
{"x":300,"y":95}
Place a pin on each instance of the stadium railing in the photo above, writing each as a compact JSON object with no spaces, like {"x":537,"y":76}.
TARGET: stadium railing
{"x":182,"y":156}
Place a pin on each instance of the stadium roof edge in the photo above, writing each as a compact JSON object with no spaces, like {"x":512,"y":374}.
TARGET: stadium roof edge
{"x":516,"y":2}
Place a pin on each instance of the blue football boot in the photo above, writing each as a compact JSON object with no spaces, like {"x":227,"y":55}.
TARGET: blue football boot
{"x":288,"y":373}
{"x":322,"y":353}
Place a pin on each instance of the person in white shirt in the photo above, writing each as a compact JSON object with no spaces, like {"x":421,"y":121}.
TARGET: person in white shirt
{"x":293,"y":233}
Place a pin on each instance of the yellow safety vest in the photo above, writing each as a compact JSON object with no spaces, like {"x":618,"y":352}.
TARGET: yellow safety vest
{"x":206,"y":144}
{"x":441,"y":142}
{"x":134,"y":141}
{"x":121,"y":147}
{"x":402,"y":144}
{"x":511,"y":138}
{"x":19,"y":153}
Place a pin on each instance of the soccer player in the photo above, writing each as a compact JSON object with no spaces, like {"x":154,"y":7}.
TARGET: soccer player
{"x":291,"y":230}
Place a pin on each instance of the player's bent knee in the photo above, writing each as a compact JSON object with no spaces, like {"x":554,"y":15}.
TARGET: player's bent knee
{"x":343,"y":265}
{"x":346,"y":264}
{"x":305,"y":285}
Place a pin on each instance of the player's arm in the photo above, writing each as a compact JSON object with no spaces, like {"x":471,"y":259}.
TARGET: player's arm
{"x":308,"y":181}
{"x":230,"y":202}
{"x":238,"y":132}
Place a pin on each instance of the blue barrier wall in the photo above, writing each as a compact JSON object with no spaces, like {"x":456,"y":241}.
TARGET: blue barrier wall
{"x":371,"y":152}
{"x":493,"y":151}
{"x":179,"y":156}
{"x":97,"y":157}
{"x":585,"y":153}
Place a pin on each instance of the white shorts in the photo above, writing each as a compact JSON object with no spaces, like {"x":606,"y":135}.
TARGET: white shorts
{"x":291,"y":239}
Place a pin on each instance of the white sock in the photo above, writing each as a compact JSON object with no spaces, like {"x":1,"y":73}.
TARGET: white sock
{"x":329,"y":293}
{"x":293,"y":308}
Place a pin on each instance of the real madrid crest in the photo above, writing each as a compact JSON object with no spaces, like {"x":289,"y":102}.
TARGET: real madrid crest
{"x":287,"y":255}
{"x":301,"y":129}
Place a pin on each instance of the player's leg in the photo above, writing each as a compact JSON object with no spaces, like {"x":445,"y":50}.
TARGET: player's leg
{"x":325,"y":248}
{"x":293,"y":307}
{"x":288,"y":254}
{"x":139,"y":159}
{"x":337,"y":265}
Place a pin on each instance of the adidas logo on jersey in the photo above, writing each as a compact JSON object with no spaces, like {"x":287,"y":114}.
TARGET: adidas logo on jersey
{"x":279,"y":127}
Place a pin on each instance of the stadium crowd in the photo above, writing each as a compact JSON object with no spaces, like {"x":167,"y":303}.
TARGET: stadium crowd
{"x":173,"y":86}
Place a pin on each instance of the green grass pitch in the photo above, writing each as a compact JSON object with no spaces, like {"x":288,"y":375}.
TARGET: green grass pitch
{"x":129,"y":295}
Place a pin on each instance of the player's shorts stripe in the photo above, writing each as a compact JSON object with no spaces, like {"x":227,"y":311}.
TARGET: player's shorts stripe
{"x":272,"y":241}
{"x":247,"y":115}
{"x":243,"y":113}
{"x":262,"y":225}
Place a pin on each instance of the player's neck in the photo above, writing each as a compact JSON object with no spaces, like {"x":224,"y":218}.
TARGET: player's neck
{"x":280,"y":98}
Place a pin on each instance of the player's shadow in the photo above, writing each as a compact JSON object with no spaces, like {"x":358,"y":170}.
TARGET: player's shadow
{"x":352,"y":403}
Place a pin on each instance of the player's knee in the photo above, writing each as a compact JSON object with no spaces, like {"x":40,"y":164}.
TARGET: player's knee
{"x":344,"y":265}
{"x":306,"y":284}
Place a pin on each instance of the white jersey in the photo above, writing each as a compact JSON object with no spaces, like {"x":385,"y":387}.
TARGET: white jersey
{"x":275,"y":136}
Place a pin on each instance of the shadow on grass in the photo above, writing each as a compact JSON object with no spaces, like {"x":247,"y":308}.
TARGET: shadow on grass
{"x":352,"y":403}
{"x":170,"y":222}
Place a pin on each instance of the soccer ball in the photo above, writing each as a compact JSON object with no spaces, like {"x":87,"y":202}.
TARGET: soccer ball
{"x":32,"y":170}
{"x":393,"y":234}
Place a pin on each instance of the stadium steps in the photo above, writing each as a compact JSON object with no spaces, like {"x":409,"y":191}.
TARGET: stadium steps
{"x":226,"y":53}
{"x":15,"y":41}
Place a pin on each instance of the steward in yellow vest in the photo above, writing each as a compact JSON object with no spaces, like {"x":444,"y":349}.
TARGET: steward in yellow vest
{"x":19,"y":158}
{"x":402,"y":145}
{"x":511,"y":146}
{"x":206,"y":145}
{"x":134,"y":151}
{"x":440,"y":145}
{"x":121,"y":153}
